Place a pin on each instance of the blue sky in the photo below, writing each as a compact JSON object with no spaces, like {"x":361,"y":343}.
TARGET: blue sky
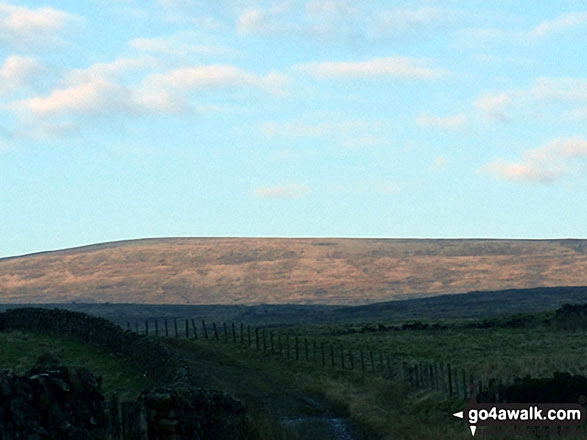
{"x":128,"y":119}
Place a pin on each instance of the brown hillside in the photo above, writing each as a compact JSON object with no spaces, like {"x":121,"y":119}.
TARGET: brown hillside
{"x":274,"y":270}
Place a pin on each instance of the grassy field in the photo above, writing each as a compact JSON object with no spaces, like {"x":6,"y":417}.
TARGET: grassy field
{"x":20,"y":352}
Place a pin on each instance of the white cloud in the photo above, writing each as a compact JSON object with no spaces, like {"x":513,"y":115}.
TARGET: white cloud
{"x":562,"y":23}
{"x":545,"y":164}
{"x":292,"y":191}
{"x":456,"y":122}
{"x":92,"y":97}
{"x":398,"y":67}
{"x":217,"y":77}
{"x":181,"y":44}
{"x":495,"y":105}
{"x":330,"y":7}
{"x":21,"y":26}
{"x":258,"y":20}
{"x":348,"y":131}
{"x":18,"y":71}
{"x":110,"y":71}
{"x":407,"y":20}
{"x":562,"y":89}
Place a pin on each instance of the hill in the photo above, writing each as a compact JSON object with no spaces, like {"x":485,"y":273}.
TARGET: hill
{"x":294,"y":270}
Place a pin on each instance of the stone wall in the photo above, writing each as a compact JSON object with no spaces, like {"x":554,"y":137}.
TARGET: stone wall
{"x":66,"y":403}
{"x":143,"y":353}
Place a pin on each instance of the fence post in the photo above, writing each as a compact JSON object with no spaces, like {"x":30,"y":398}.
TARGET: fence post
{"x":146,"y":327}
{"x":137,"y":328}
{"x":195,"y":329}
{"x":187,"y":329}
{"x":332,"y":364}
{"x":215,"y":331}
{"x":225,"y":332}
{"x":362,"y":363}
{"x":279,"y":350}
{"x":175,"y":326}
{"x":271,"y":341}
{"x":166,"y":329}
{"x":257,"y":337}
{"x":204,"y":329}
{"x":372,"y":363}
{"x":242,"y":334}
{"x":156,"y":327}
{"x":264,"y":340}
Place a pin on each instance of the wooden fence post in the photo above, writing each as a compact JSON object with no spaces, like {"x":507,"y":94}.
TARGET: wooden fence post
{"x":175,"y":326}
{"x":204,"y":329}
{"x":264,"y":340}
{"x":271,"y":342}
{"x":215,"y":331}
{"x":187,"y":329}
{"x":257,"y":337}
{"x":225,"y":332}
{"x":242,"y":334}
{"x":194,"y":329}
{"x":166,"y":329}
{"x":137,"y":328}
{"x":146,"y":327}
{"x":332,"y":364}
{"x":279,"y":349}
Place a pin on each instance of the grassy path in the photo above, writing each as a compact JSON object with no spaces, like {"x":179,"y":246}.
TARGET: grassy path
{"x":282,"y":408}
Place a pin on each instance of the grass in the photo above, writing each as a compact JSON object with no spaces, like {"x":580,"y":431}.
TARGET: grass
{"x":20,"y":352}
{"x":384,"y":408}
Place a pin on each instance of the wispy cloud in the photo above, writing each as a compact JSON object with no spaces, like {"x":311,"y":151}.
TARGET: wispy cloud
{"x":180,"y":44}
{"x":18,"y":71}
{"x":218,"y":76}
{"x":545,"y":164}
{"x":394,"y":67}
{"x":457,"y":122}
{"x":562,"y":23}
{"x":291,"y":191}
{"x":495,"y":105}
{"x":406,"y":21}
{"x":21,"y":26}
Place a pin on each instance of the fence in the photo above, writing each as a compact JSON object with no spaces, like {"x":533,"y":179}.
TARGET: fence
{"x":438,"y":376}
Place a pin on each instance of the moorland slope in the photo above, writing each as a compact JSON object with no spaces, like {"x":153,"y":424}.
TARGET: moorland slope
{"x":287,"y":270}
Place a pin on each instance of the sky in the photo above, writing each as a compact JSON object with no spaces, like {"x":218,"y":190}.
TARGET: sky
{"x":424,"y":119}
